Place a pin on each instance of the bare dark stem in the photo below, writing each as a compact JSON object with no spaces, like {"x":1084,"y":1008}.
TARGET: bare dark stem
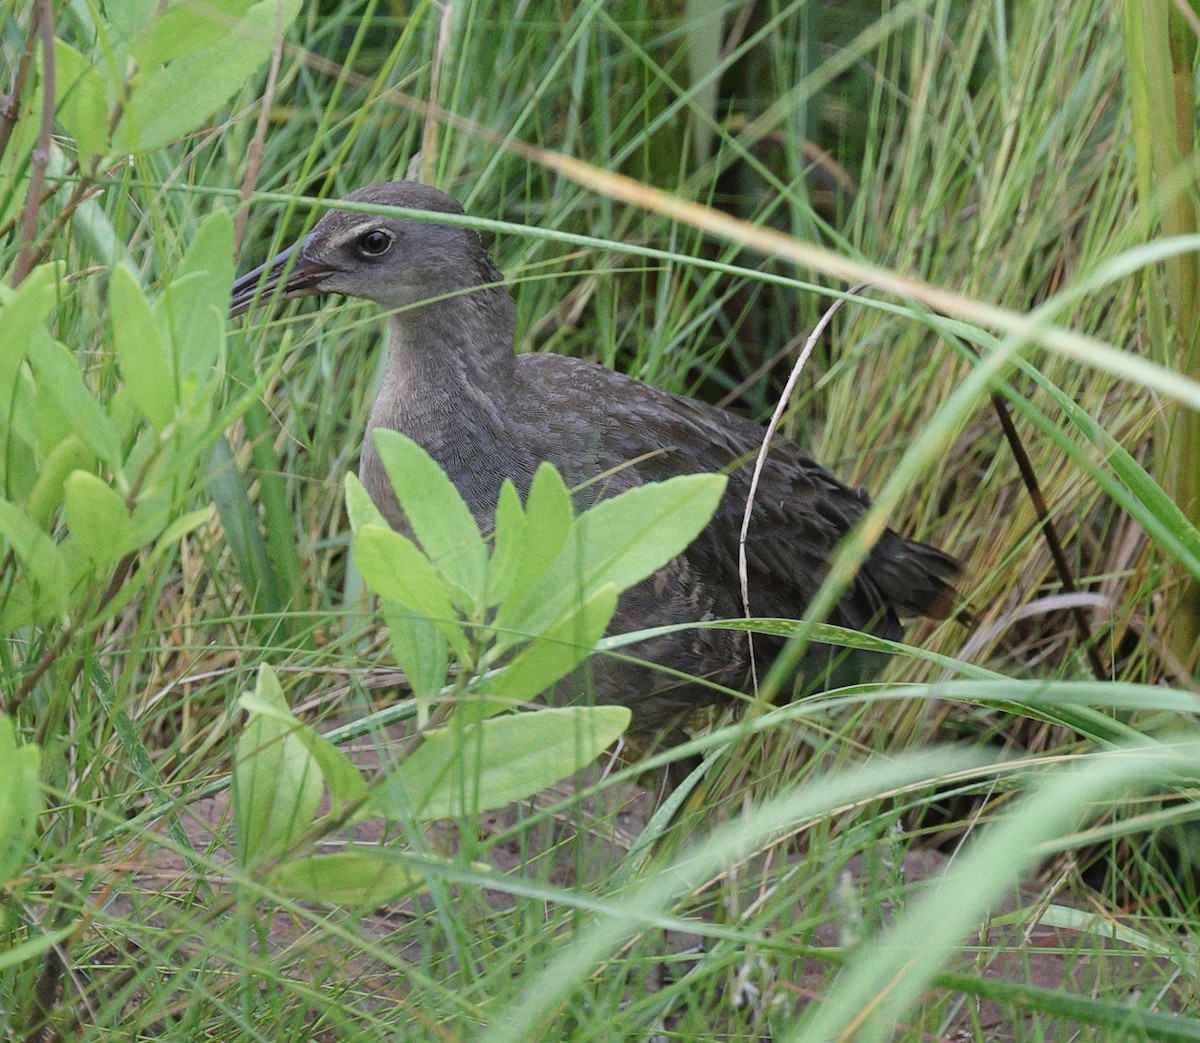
{"x":10,"y":104}
{"x":1029,"y":476}
{"x":35,"y":675}
{"x":84,"y":190}
{"x":120,"y":574}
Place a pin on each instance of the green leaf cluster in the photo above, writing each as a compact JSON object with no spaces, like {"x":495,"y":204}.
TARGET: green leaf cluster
{"x":520,"y":611}
{"x":142,"y":75}
{"x":514,"y":614}
{"x":283,"y":769}
{"x":90,"y":478}
{"x":129,"y":77}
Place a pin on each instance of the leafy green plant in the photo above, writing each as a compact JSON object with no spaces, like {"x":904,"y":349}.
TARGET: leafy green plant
{"x":137,"y":77}
{"x":511,"y":619}
{"x":543,"y":597}
{"x":115,"y":462}
{"x":283,"y":768}
{"x":92,"y":481}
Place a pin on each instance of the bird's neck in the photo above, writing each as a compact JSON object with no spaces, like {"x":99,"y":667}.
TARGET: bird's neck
{"x":449,"y":357}
{"x":446,"y":384}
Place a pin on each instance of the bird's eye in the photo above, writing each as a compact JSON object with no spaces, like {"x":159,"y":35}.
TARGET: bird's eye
{"x":375,"y":243}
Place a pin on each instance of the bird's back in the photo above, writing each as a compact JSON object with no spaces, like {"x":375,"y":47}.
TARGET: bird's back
{"x":591,"y":422}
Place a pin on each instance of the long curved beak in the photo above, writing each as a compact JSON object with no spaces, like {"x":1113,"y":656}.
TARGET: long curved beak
{"x":288,"y":274}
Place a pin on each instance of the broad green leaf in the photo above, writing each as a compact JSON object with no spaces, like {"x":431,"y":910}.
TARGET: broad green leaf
{"x":276,"y":782}
{"x":210,"y":253}
{"x":184,"y":525}
{"x":82,"y":101}
{"x":625,"y":539}
{"x":24,"y":448}
{"x":186,"y":27}
{"x":440,"y":519}
{"x":490,"y":763}
{"x":47,"y":494}
{"x":619,"y":541}
{"x":125,"y":414}
{"x":556,"y":652}
{"x":98,"y":519}
{"x":508,"y":536}
{"x":549,"y":503}
{"x":239,"y":517}
{"x":345,"y":782}
{"x":172,"y":100}
{"x":19,"y":469}
{"x":141,"y":351}
{"x":20,"y":799}
{"x":395,"y":569}
{"x":196,"y":335}
{"x":360,"y":507}
{"x":24,"y":311}
{"x":423,"y":653}
{"x":60,"y":380}
{"x":129,"y":18}
{"x":526,"y":543}
{"x":45,"y":569}
{"x":23,"y":606}
{"x":52,"y":423}
{"x":361,"y":877}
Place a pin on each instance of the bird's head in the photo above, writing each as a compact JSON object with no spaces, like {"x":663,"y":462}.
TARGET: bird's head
{"x":396,"y":262}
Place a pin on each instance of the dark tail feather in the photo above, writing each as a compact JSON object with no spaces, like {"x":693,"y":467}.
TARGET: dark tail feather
{"x":917,"y":579}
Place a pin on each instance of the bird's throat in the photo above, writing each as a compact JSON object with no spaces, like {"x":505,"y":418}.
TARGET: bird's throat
{"x":446,"y":384}
{"x":446,"y":358}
